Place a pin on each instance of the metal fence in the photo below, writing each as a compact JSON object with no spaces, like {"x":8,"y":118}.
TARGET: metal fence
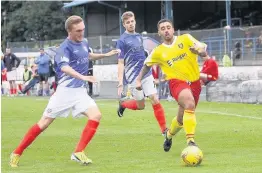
{"x":220,"y":42}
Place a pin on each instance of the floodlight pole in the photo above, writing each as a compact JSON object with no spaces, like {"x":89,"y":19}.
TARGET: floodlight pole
{"x":85,"y":19}
{"x":228,"y":17}
{"x":167,"y":9}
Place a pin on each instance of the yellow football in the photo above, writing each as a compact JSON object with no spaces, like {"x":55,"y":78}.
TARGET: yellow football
{"x":192,"y":156}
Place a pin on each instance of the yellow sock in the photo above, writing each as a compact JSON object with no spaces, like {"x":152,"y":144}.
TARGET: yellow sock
{"x":174,"y":128}
{"x":189,"y":122}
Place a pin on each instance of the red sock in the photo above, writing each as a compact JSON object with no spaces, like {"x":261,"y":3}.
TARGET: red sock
{"x":15,"y":91}
{"x":130,"y":104}
{"x":30,"y":136}
{"x":20,"y":87}
{"x":160,"y":116}
{"x":87,"y":134}
{"x":11,"y":91}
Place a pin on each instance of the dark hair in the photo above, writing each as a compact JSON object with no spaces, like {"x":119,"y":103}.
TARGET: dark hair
{"x":163,"y":21}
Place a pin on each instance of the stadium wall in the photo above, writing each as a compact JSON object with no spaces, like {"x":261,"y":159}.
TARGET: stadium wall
{"x":235,"y":84}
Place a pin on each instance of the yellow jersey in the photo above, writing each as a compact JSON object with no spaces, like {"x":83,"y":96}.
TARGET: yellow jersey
{"x":176,"y":60}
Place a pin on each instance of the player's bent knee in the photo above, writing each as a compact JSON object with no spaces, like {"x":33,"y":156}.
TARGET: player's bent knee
{"x":154,"y":99}
{"x":44,"y":122}
{"x":139,"y":95}
{"x":96,"y":117}
{"x":93,"y":113}
{"x":141,"y":105}
{"x":190,"y":105}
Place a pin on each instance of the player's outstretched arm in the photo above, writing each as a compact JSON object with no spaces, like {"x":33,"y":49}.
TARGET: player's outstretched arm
{"x":142,"y":73}
{"x":120,"y":67}
{"x":71,"y":72}
{"x":95,"y":56}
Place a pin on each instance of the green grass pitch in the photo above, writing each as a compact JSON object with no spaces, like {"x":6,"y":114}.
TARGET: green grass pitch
{"x":228,"y":134}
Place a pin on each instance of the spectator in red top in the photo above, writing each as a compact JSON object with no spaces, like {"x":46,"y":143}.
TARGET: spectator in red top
{"x":209,"y":70}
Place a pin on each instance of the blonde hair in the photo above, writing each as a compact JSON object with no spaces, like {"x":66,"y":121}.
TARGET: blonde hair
{"x":126,"y":15}
{"x":72,"y":20}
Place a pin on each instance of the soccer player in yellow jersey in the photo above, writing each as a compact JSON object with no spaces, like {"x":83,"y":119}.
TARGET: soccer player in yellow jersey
{"x":177,"y":58}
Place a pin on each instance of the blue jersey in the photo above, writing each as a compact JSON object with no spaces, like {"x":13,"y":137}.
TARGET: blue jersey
{"x":133,"y":53}
{"x":75,"y":55}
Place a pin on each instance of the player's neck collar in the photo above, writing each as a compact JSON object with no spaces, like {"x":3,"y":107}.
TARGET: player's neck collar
{"x":130,"y":33}
{"x":74,"y":42}
{"x":170,"y":45}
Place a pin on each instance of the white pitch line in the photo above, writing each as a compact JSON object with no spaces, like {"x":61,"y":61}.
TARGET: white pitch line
{"x":230,"y":114}
{"x":223,"y":113}
{"x":203,"y":111}
{"x":200,"y":111}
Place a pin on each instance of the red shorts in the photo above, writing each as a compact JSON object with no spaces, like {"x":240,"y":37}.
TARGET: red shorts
{"x":176,"y":86}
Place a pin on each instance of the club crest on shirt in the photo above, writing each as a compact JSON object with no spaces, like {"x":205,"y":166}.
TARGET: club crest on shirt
{"x":180,"y":46}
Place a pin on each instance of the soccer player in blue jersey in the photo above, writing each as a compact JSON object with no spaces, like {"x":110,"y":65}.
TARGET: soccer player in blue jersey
{"x":71,"y":63}
{"x":130,"y":62}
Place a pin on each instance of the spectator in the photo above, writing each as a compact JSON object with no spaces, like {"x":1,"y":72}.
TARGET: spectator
{"x":27,"y":75}
{"x":34,"y":80}
{"x":237,"y":51}
{"x":10,"y":63}
{"x":209,"y":70}
{"x":43,"y":62}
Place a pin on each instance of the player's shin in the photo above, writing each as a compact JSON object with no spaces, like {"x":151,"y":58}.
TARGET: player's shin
{"x":189,"y":123}
{"x":30,"y":136}
{"x":174,"y":128}
{"x":160,"y":116}
{"x":87,"y":134}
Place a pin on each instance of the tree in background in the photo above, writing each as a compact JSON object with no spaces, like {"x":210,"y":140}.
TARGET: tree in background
{"x":32,"y":21}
